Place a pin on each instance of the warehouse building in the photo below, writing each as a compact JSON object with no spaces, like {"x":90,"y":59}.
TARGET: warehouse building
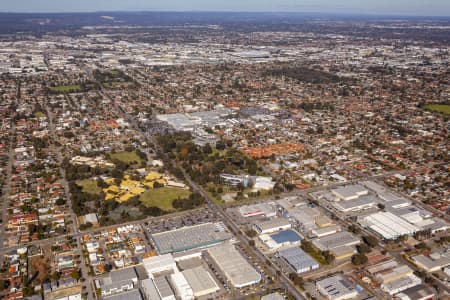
{"x":336,"y":288}
{"x":272,"y":225}
{"x":165,"y":291}
{"x":343,"y":252}
{"x":324,"y":231}
{"x":388,"y":225}
{"x":323,"y":221}
{"x":418,"y":292}
{"x":190,"y":237}
{"x":434,"y":262}
{"x":201,"y":281}
{"x":394,"y":273}
{"x":181,"y":287}
{"x":260,"y":209}
{"x":235,"y":267}
{"x":350,"y":192}
{"x":393,"y":277}
{"x":117,"y":282}
{"x":273,"y":296}
{"x":299,"y":260}
{"x":391,"y":200}
{"x":280,"y":239}
{"x":337,"y":240}
{"x":133,"y":294}
{"x":356,"y":204}
{"x":401,"y":284}
{"x":149,"y":289}
{"x":158,"y":264}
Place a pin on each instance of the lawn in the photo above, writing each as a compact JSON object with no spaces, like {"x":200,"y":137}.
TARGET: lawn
{"x":89,"y":186}
{"x":163,"y":197}
{"x":127,"y":157}
{"x":66,"y":88}
{"x":440,"y":108}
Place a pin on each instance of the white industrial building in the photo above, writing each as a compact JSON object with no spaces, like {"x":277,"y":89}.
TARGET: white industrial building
{"x":324,"y":231}
{"x":356,"y":204}
{"x":201,"y":281}
{"x":182,"y":288}
{"x":117,"y":281}
{"x":167,"y":287}
{"x":350,"y":192}
{"x":261,"y":209}
{"x":272,"y":225}
{"x":336,"y":288}
{"x":286,"y":238}
{"x":161,"y":263}
{"x":388,"y":225}
{"x":235,"y":267}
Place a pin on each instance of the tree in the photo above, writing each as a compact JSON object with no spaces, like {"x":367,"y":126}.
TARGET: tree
{"x":296,"y":279}
{"x":76,"y":275}
{"x":4,"y":284}
{"x":86,"y":226}
{"x":355,"y":229}
{"x":56,"y":276}
{"x":60,"y":201}
{"x":307,"y":246}
{"x":108,"y":267}
{"x":359,"y":259}
{"x":370,"y":240}
{"x":363,"y":249}
{"x":251,"y":233}
{"x":329,"y":257}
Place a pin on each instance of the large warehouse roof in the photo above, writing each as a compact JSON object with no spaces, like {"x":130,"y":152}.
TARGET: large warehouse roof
{"x":200,"y":281}
{"x":191,"y":237}
{"x":298,"y":259}
{"x":360,"y":203}
{"x":336,"y":287}
{"x":286,"y":236}
{"x":234,"y":265}
{"x":336,"y":240}
{"x":272,"y":225}
{"x":388,"y":225}
{"x":350,"y":191}
{"x":156,"y":264}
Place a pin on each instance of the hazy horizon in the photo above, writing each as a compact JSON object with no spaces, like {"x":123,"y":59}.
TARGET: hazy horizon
{"x":354,"y":7}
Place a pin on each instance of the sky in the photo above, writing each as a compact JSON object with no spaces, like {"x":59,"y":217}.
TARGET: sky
{"x":390,"y":7}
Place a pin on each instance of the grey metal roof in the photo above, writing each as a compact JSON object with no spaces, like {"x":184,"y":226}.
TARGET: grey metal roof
{"x":130,"y":295}
{"x":199,"y":279}
{"x":336,"y":240}
{"x":189,"y":237}
{"x":297,"y":258}
{"x":163,"y":286}
{"x":149,"y":289}
{"x":236,"y":268}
